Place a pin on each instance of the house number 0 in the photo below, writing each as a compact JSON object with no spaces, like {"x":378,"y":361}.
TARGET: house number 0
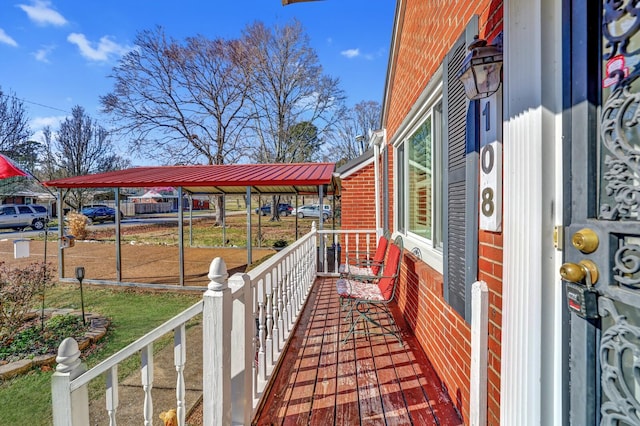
{"x":491,"y":163}
{"x":487,"y":160}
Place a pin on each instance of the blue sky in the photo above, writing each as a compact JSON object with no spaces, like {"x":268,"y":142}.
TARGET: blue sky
{"x":55,"y":54}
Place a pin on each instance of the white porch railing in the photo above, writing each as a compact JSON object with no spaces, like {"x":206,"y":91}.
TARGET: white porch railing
{"x":358,"y":244}
{"x":247,"y":321}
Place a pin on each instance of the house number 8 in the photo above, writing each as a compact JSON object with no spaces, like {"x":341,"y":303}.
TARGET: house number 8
{"x":487,"y":201}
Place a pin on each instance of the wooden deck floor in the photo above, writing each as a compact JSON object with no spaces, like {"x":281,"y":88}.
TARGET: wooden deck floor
{"x":362,"y":381}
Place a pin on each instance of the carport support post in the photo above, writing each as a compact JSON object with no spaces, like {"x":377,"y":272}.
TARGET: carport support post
{"x":297,"y":217}
{"x":60,"y":235}
{"x":180,"y":236}
{"x":249,"y":254}
{"x":190,"y":197}
{"x":321,"y":224}
{"x":118,"y":252}
{"x":224,"y":222}
{"x":259,"y":221}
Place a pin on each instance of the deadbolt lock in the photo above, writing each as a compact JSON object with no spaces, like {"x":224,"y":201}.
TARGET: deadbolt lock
{"x":577,"y":272}
{"x":585,"y":240}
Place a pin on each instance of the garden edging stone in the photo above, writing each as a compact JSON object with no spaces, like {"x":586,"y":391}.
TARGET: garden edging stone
{"x":97,"y":329}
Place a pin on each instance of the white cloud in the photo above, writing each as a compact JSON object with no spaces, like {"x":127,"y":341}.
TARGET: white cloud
{"x":39,"y":123}
{"x":4,"y":38}
{"x":41,"y":13}
{"x":52,"y":121}
{"x":350,"y":53}
{"x":42,"y":55}
{"x":103,"y":50}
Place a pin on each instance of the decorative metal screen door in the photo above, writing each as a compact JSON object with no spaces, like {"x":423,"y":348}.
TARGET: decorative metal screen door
{"x":602,"y":241}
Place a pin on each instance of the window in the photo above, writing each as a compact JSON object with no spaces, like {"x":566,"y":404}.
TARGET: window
{"x":436,"y":198}
{"x":420,"y":180}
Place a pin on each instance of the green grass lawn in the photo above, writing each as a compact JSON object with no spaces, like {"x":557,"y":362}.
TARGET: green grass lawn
{"x":26,"y":400}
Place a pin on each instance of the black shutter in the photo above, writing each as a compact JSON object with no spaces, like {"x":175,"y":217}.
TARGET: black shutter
{"x":460,"y":181}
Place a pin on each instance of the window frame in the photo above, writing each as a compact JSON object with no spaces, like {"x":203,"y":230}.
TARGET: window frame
{"x":429,"y":250}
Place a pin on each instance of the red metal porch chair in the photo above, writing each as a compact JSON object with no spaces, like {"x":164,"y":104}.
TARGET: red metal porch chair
{"x":369,"y":266}
{"x":370,"y":297}
{"x":366,"y":268}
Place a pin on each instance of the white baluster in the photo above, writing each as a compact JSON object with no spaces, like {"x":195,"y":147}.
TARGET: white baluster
{"x":147,"y":383}
{"x":179,"y":358}
{"x":287,"y":295}
{"x":294,"y":288}
{"x":112,"y":394}
{"x":262,"y":359}
{"x":268,"y":302}
{"x":279,"y":307}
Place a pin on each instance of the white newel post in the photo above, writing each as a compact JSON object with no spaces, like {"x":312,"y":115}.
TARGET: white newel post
{"x":69,"y":408}
{"x":242,"y":331}
{"x":216,"y":329}
{"x":479,"y":330}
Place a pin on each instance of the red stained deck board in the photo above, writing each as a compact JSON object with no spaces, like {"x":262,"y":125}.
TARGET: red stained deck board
{"x":364,"y":381}
{"x":324,"y":401}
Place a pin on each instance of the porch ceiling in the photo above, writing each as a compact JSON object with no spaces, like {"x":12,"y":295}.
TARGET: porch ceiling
{"x":298,"y":178}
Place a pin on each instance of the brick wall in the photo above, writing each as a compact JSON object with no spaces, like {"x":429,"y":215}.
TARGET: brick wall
{"x":358,"y":199}
{"x":428,"y":31}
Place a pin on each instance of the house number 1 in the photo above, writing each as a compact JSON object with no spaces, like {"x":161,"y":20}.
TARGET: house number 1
{"x":491,"y":163}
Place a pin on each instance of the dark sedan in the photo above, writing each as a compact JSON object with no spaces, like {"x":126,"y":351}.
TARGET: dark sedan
{"x":100,"y":214}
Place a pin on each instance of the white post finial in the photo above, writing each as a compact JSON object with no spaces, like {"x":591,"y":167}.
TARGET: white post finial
{"x":313,"y":226}
{"x":218,"y":275}
{"x":69,"y":408}
{"x":68,"y":358}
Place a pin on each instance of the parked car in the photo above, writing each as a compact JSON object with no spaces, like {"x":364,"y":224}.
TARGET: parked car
{"x":20,"y":216}
{"x":311,"y":210}
{"x":283,"y":208}
{"x":100,"y":214}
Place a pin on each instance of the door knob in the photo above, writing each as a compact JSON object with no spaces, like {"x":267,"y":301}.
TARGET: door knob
{"x":577,"y":272}
{"x":585,"y":240}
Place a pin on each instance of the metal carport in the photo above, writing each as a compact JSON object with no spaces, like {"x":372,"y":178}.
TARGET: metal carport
{"x":248,"y":179}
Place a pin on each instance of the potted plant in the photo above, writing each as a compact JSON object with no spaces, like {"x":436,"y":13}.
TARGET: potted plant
{"x":280,"y":244}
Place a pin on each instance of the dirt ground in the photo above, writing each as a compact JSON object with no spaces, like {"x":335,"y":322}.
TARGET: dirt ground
{"x":152,"y":264}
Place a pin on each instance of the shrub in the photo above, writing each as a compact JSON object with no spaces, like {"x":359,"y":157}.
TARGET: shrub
{"x":18,"y":287}
{"x":77,"y":224}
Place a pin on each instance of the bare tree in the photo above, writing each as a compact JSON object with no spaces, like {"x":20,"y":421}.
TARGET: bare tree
{"x":80,"y":147}
{"x":14,"y":126}
{"x":288,"y":88}
{"x":354,"y":130}
{"x":15,"y":140}
{"x":184,"y":101}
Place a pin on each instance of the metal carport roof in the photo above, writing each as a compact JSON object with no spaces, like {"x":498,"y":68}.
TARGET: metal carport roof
{"x":296,"y":178}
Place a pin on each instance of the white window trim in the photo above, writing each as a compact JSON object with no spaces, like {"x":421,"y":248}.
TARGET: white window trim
{"x":430,"y":97}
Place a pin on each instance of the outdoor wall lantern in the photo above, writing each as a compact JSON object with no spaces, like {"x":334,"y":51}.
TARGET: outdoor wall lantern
{"x":481,"y":71}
